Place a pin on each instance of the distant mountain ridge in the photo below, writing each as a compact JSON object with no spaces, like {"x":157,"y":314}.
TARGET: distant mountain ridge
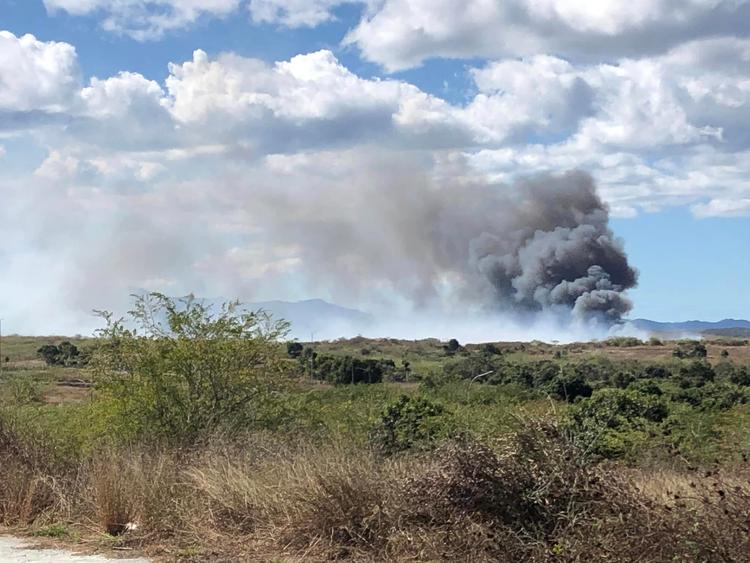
{"x":316,"y":318}
{"x":691,"y":326}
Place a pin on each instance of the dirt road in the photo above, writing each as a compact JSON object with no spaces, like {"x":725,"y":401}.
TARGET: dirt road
{"x":17,"y":550}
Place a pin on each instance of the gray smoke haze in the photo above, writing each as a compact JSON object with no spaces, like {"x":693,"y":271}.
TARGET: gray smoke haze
{"x":540,"y":245}
{"x":400,"y":235}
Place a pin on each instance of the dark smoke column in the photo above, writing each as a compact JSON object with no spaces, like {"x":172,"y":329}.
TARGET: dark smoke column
{"x":552,"y":250}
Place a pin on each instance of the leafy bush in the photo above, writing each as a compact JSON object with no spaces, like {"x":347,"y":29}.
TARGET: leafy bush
{"x":527,"y":374}
{"x":490,"y":349}
{"x":623,"y":341}
{"x":472,"y":366}
{"x":408,"y":423}
{"x":613,"y":421}
{"x":186,"y":369}
{"x":690,"y":349}
{"x":695,"y":374}
{"x":21,"y":390}
{"x":568,"y":387}
{"x":343,"y":370}
{"x":728,"y":371}
{"x":63,"y":354}
{"x":294,"y":349}
{"x":452,"y":347}
{"x":646,"y":386}
{"x":713,"y":396}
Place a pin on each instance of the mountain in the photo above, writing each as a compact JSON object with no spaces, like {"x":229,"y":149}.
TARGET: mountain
{"x":316,"y":318}
{"x":693,"y":327}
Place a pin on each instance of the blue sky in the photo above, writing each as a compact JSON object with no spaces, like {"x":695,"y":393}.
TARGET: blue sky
{"x":150,"y":144}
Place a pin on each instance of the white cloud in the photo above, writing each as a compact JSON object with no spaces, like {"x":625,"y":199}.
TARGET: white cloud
{"x":723,"y":208}
{"x":542,"y":95}
{"x":145,"y":19}
{"x":294,"y":13}
{"x":125,"y":93}
{"x":308,"y":101}
{"x":656,"y":131}
{"x":36,"y":75}
{"x":403,"y":33}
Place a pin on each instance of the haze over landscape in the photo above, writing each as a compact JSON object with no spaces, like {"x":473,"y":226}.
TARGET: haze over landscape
{"x":574,"y":168}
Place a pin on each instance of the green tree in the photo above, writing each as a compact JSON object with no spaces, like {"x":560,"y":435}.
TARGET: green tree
{"x":49,"y":353}
{"x":452,"y":347}
{"x":294,"y":349}
{"x":176,"y":369}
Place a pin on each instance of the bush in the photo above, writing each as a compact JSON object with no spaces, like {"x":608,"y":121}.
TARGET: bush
{"x":728,"y":371}
{"x":63,"y":354}
{"x":472,"y":366}
{"x":294,"y":349}
{"x":344,"y":370}
{"x":185,"y":369}
{"x":528,"y":374}
{"x":490,"y":349}
{"x":646,"y":386}
{"x":695,"y":374}
{"x":613,"y":421}
{"x":452,"y":347}
{"x":408,"y":423}
{"x":713,"y":396}
{"x":568,"y":387}
{"x":623,"y":341}
{"x":690,"y":349}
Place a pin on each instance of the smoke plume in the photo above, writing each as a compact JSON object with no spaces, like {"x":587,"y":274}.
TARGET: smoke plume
{"x":542,"y":244}
{"x":403,"y":236}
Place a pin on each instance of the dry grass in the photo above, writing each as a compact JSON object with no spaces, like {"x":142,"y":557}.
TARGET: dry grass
{"x":533,"y":497}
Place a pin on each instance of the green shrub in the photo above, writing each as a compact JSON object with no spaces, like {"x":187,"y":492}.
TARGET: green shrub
{"x":713,"y":396}
{"x":294,"y":349}
{"x":343,"y":370}
{"x":690,"y":349}
{"x":613,"y":422}
{"x":695,"y":374}
{"x":186,"y":369}
{"x":20,"y":389}
{"x":408,"y":423}
{"x":568,"y":387}
{"x":646,"y":386}
{"x":728,"y":371}
{"x":63,"y":354}
{"x":472,"y":366}
{"x":623,"y":341}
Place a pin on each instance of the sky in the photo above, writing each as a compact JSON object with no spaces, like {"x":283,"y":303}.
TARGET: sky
{"x":153,"y":144}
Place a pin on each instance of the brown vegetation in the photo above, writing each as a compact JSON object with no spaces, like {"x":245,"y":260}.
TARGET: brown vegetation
{"x":533,"y":496}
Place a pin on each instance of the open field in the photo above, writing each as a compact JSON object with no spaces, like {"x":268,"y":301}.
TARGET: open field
{"x":243,"y":447}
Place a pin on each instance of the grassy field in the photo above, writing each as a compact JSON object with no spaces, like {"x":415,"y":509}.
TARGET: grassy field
{"x":236,"y":447}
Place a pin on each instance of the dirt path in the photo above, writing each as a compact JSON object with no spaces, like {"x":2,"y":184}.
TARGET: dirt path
{"x":17,"y":550}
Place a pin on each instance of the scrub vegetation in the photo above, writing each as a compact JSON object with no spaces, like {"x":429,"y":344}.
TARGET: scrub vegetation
{"x":201,"y":434}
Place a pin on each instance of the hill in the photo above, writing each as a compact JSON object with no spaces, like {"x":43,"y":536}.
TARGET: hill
{"x":694,"y":327}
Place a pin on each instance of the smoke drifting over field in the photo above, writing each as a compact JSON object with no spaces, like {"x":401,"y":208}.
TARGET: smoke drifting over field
{"x":542,"y":245}
{"x":419,"y":242}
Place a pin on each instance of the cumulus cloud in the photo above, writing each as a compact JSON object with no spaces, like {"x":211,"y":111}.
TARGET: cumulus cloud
{"x":145,"y":19}
{"x":309,"y":101}
{"x":656,"y":131}
{"x":403,"y":33}
{"x":36,"y":75}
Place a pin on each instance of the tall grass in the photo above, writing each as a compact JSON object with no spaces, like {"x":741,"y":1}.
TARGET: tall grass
{"x":533,"y":496}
